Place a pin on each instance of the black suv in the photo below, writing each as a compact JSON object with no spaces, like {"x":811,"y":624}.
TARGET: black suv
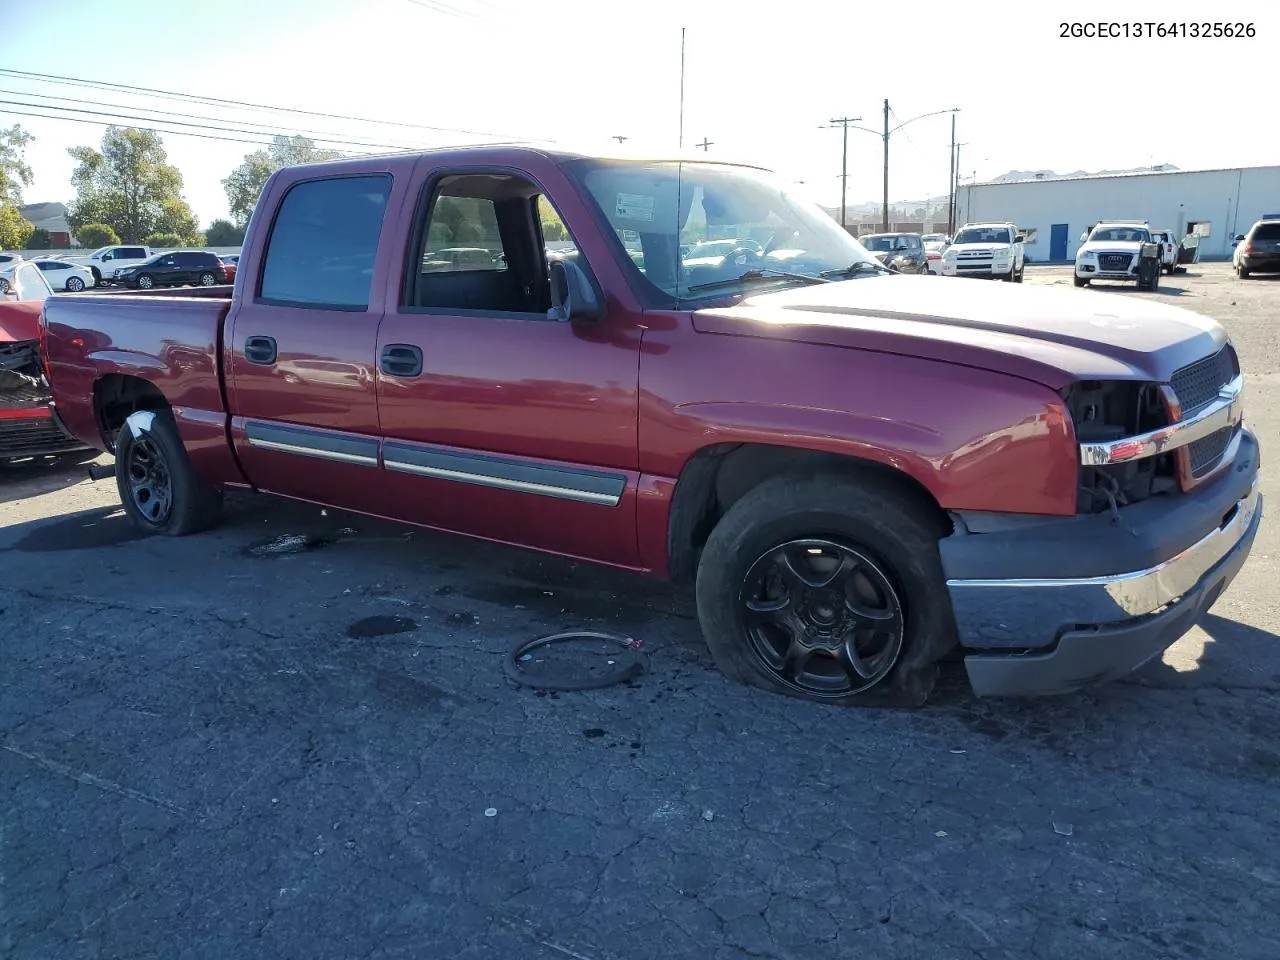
{"x":1258,"y":251}
{"x":903,"y":252}
{"x":174,"y":270}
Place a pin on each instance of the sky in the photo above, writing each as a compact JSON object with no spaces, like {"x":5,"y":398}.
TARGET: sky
{"x":761,"y":80}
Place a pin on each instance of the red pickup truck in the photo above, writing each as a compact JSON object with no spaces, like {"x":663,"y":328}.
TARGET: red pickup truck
{"x":861,"y":472}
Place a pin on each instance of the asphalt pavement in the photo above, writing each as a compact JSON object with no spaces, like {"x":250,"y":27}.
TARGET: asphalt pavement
{"x":234,"y":746}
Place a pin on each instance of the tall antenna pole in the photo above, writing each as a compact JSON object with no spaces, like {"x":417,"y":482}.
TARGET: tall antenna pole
{"x":681,"y":144}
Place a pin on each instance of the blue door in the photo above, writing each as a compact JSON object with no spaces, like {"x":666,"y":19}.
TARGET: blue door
{"x":1058,"y":242}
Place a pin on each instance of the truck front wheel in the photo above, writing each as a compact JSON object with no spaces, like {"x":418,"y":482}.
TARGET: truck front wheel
{"x":829,"y":589}
{"x":158,"y":486}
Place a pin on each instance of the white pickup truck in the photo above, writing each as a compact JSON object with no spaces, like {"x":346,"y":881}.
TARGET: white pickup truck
{"x":105,"y":261}
{"x":992,"y":250}
{"x":1118,"y":250}
{"x":1168,"y":249}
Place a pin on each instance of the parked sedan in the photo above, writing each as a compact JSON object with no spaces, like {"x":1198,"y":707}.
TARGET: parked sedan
{"x":1257,"y":251}
{"x":174,"y":269}
{"x":64,"y":276}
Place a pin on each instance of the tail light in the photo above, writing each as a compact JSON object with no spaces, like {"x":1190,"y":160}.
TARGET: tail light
{"x":935,"y":256}
{"x":44,"y":345}
{"x":1248,"y":249}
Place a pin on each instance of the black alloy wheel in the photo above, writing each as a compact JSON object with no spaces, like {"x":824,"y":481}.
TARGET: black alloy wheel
{"x":822,"y":617}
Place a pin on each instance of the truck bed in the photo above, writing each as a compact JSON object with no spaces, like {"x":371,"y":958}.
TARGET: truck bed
{"x":169,"y":338}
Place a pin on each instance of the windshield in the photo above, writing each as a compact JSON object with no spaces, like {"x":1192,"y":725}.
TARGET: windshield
{"x":688,"y":224}
{"x":983,"y":235}
{"x":1121,"y":235}
{"x":879,"y":244}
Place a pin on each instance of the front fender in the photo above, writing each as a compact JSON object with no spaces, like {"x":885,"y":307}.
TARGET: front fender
{"x":968,"y":436}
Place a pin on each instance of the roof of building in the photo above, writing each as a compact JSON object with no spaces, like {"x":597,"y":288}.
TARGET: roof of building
{"x":1120,"y":176}
{"x":46,"y":216}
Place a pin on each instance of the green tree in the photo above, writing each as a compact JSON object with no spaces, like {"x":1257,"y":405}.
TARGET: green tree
{"x":224,"y":233}
{"x":14,"y":172}
{"x":95,"y":235}
{"x":244,"y":184}
{"x":160,"y":241}
{"x":14,"y":228}
{"x":553,"y":227}
{"x":129,"y":186}
{"x":40,"y":239}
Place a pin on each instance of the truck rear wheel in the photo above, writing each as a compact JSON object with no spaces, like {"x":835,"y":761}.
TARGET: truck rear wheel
{"x":829,"y":589}
{"x":158,"y":486}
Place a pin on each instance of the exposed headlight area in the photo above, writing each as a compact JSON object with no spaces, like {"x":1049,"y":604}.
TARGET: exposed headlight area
{"x":1104,"y":411}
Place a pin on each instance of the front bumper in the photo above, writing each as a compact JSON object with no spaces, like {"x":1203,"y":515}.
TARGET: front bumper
{"x":1157,"y":571}
{"x":970,"y":268}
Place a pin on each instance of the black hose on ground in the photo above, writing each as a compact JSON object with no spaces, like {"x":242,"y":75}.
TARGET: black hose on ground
{"x":630,"y":661}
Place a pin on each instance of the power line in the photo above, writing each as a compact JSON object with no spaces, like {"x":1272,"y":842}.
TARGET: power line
{"x":176,"y":133}
{"x":218,"y":101}
{"x":440,"y":7}
{"x":270,"y":131}
{"x":198,"y":126}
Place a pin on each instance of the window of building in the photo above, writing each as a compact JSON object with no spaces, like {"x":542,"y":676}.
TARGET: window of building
{"x":487,"y":245}
{"x":324,"y":242}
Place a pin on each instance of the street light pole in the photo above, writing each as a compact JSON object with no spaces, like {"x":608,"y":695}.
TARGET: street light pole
{"x":951,"y":182}
{"x":953,"y":111}
{"x":885,"y":208}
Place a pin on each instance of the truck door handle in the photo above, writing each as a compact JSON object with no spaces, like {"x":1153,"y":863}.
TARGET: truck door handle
{"x":401,"y":360}
{"x":260,"y":350}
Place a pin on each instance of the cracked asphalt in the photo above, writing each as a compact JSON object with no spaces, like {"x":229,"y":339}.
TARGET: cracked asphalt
{"x":203,"y":753}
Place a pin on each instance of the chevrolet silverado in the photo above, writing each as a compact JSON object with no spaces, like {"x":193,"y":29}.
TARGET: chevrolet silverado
{"x":861,"y":473}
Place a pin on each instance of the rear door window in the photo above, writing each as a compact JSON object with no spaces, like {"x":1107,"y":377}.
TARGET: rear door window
{"x":323,"y":243}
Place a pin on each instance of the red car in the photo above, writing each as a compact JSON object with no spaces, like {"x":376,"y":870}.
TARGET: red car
{"x":858,"y":470}
{"x":29,"y":425}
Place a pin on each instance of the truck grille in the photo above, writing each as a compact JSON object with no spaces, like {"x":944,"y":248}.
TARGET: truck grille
{"x":1198,"y":383}
{"x":1114,"y":262}
{"x":1204,"y":454}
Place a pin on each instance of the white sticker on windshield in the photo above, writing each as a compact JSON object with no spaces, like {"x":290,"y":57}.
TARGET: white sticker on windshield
{"x":633,"y":206}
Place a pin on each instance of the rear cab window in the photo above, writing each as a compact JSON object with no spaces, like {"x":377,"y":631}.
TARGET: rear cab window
{"x":1266,"y":231}
{"x":323,"y":244}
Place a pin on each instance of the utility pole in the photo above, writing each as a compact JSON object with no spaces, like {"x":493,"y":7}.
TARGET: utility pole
{"x":955,"y":202}
{"x":951,"y":182}
{"x":681,"y":141}
{"x":885,"y":225}
{"x":705,"y":144}
{"x":843,"y":123}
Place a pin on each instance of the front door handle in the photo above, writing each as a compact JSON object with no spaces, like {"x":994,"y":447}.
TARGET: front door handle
{"x":260,"y":350}
{"x":401,"y":360}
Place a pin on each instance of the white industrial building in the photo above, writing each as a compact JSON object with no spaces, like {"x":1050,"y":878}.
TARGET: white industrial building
{"x":1217,"y":205}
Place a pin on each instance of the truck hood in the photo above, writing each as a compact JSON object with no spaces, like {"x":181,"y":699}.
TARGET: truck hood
{"x":1052,"y":335}
{"x":1110,"y":246}
{"x":981,"y":247}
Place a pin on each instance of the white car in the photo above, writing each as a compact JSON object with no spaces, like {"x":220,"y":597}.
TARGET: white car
{"x":1118,"y":250}
{"x":106,"y":261}
{"x":992,"y":250}
{"x":1168,"y":249}
{"x":935,"y":250}
{"x":65,"y":276}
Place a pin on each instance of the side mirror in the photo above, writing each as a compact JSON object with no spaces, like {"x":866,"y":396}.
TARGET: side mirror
{"x":1240,"y":238}
{"x":572,"y":296}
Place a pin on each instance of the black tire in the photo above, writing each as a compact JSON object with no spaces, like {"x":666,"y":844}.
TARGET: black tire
{"x":144,"y":281}
{"x":1021,"y":270}
{"x":882,"y":528}
{"x":97,"y":276}
{"x":1242,"y":273}
{"x":158,"y":487}
{"x":74,"y":285}
{"x":1155,"y":278}
{"x":1081,"y":281}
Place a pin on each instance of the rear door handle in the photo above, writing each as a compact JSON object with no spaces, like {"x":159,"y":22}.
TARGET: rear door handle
{"x":401,"y":360}
{"x":260,"y":350}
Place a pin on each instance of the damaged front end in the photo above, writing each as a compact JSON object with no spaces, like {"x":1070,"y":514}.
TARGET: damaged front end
{"x":29,"y":426}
